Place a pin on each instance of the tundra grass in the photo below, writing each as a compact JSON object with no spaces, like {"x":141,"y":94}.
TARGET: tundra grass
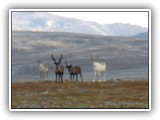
{"x":48,"y":94}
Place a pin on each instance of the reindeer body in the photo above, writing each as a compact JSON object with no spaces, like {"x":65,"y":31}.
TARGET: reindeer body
{"x":98,"y":68}
{"x":59,"y":69}
{"x":43,"y":68}
{"x":74,"y":71}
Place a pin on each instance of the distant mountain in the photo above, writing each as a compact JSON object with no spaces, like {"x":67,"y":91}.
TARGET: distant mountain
{"x":43,"y":21}
{"x":120,"y":29}
{"x":143,"y":35}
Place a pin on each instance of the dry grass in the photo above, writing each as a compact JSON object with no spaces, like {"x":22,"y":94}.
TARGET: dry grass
{"x":47,"y":94}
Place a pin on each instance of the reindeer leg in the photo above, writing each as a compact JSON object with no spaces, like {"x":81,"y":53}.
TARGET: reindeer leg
{"x":70,"y":77}
{"x":43,"y":76}
{"x":56,"y":77}
{"x":47,"y":75}
{"x":40,"y":75}
{"x":73,"y":77}
{"x":104,"y":76}
{"x":61,"y":78}
{"x":99,"y":76}
{"x":76,"y":77}
{"x":95,"y":75}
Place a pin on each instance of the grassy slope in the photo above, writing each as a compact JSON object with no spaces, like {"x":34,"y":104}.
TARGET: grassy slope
{"x":47,"y":94}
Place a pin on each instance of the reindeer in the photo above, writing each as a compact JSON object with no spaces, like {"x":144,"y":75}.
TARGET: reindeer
{"x":43,"y":68}
{"x":59,"y":70}
{"x":74,"y":70}
{"x":98,"y":67}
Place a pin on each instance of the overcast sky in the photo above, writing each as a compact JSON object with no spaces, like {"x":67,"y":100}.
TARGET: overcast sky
{"x":133,"y":18}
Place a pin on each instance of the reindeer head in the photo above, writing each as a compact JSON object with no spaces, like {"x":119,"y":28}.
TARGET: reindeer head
{"x":93,"y":59}
{"x":68,"y":66}
{"x":39,"y":61}
{"x":94,"y":62}
{"x":97,"y":65}
{"x":55,"y":61}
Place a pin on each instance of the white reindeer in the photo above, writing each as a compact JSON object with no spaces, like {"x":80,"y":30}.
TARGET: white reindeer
{"x":98,"y":68}
{"x":43,"y":68}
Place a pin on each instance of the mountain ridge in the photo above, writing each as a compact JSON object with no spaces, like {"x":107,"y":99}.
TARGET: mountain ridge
{"x":43,"y":21}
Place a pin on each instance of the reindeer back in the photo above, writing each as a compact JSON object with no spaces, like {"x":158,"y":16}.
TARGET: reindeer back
{"x":75,"y":69}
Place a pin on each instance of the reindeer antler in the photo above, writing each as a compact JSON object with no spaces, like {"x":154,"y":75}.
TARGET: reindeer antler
{"x":53,"y":57}
{"x":97,"y":57}
{"x":39,"y":61}
{"x":91,"y":58}
{"x":61,"y":58}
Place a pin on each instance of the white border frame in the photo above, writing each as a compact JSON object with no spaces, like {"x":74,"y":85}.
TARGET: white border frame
{"x":92,"y":10}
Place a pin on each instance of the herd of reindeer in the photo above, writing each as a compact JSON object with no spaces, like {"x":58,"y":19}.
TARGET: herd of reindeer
{"x":99,"y":68}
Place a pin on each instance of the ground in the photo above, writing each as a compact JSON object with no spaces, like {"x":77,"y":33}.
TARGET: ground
{"x":48,"y":94}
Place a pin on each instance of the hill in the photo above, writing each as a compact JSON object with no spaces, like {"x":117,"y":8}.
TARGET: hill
{"x":143,"y":35}
{"x":125,"y":57}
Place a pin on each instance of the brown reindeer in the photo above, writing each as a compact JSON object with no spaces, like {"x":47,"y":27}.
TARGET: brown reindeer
{"x":74,"y":70}
{"x":59,"y":70}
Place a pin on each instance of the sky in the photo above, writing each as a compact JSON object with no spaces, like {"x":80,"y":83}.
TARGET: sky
{"x":133,"y":18}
